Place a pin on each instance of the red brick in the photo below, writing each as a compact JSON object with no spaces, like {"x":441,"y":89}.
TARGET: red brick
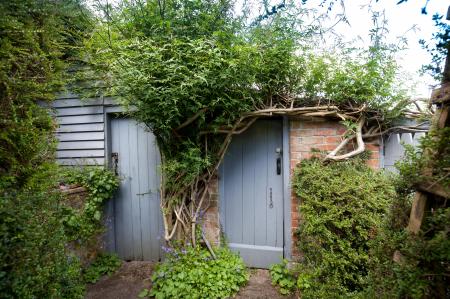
{"x":295,"y":133}
{"x":325,"y":132}
{"x":306,"y":132}
{"x":310,"y":125}
{"x":302,"y":147}
{"x":333,"y":139}
{"x":325,"y":147}
{"x":295,"y":124}
{"x":294,"y":222}
{"x":307,"y":155}
{"x":372,"y":147}
{"x":312,"y":140}
{"x":341,"y":130}
{"x":374,"y":155}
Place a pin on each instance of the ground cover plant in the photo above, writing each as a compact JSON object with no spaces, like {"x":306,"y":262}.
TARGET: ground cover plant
{"x":104,"y":264}
{"x":283,"y":277}
{"x":342,"y":206}
{"x":195,"y":273}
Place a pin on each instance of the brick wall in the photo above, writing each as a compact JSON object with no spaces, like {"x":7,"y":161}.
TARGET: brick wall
{"x":210,"y":219}
{"x":306,"y":134}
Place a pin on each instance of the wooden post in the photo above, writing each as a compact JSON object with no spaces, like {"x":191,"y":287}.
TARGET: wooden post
{"x":417,"y":212}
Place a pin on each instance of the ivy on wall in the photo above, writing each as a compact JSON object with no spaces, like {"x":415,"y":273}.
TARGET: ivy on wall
{"x":85,"y":222}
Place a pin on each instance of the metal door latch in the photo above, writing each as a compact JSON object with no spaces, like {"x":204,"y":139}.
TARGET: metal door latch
{"x":270,"y":198}
{"x":115,"y":163}
{"x":278,"y":151}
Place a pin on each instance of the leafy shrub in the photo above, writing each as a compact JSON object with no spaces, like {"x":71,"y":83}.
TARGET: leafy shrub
{"x":283,"y":277}
{"x":104,"y":264}
{"x":342,"y":205}
{"x":33,"y":258}
{"x":193,"y":273}
{"x":423,"y":267}
{"x":38,"y":39}
{"x":100,"y":184}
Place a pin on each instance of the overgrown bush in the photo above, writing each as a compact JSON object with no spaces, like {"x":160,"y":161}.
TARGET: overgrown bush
{"x":38,"y":40}
{"x":342,"y":206}
{"x":194,"y":273}
{"x":104,"y":264}
{"x":33,"y":258}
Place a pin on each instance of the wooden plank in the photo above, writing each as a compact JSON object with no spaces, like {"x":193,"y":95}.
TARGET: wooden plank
{"x":96,"y":127}
{"x":442,"y":117}
{"x":80,"y":136}
{"x":442,"y":94}
{"x":135,"y":188}
{"x":146,"y":195}
{"x":63,"y":103}
{"x":79,"y":110}
{"x":80,"y":119}
{"x":72,"y":145}
{"x":417,"y":212}
{"x":84,"y":161}
{"x":109,"y":101}
{"x":434,"y":188}
{"x":80,"y":153}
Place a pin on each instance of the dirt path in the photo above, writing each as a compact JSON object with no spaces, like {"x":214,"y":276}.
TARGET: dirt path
{"x":126,"y":283}
{"x":260,"y":286}
{"x":132,"y":277}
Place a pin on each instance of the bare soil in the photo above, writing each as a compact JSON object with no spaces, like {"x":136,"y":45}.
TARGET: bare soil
{"x":260,"y":286}
{"x":134,"y":276}
{"x":126,"y":283}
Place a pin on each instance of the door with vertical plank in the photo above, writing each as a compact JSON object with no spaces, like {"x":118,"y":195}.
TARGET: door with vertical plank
{"x":251,"y":194}
{"x":137,"y":220}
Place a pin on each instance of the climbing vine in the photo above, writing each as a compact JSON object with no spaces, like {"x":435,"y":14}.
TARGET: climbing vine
{"x":84,"y":222}
{"x":195,"y":90}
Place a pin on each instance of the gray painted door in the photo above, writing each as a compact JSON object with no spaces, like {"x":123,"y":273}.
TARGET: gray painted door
{"x":251,"y":194}
{"x":137,"y":218}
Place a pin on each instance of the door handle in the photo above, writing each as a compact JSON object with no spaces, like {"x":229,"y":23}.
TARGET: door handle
{"x":270,"y":198}
{"x":115,"y":163}
{"x":278,"y":165}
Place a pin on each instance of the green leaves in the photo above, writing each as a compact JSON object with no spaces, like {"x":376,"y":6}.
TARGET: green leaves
{"x":193,"y":273}
{"x":343,"y":205}
{"x":283,"y":277}
{"x":82,"y":224}
{"x":104,"y":264}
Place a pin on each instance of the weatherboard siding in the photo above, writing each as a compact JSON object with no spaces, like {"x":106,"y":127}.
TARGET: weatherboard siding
{"x":81,"y":129}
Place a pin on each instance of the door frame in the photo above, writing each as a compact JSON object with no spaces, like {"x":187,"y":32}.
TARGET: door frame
{"x":287,"y":223}
{"x":286,"y":189}
{"x":109,"y":211}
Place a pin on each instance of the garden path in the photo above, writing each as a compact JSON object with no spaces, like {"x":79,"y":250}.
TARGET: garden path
{"x":134,"y":276}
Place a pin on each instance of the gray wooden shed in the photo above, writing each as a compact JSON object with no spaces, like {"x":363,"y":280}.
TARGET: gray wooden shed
{"x":96,"y":132}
